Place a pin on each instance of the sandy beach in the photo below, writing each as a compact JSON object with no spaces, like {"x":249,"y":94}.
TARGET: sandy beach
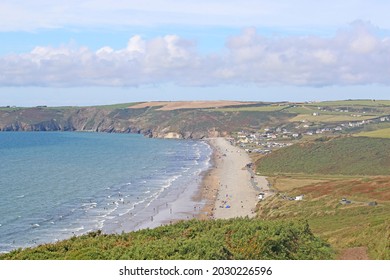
{"x":228,"y":187}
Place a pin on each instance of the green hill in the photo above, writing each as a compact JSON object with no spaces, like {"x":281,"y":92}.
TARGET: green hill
{"x":217,"y":240}
{"x":330,"y":156}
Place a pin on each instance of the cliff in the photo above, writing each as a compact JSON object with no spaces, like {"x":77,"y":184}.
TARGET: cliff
{"x":189,"y":123}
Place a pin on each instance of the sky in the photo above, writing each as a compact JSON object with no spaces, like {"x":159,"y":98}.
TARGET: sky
{"x":82,"y":52}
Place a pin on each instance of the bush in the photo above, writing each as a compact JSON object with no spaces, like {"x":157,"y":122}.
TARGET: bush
{"x":241,"y":238}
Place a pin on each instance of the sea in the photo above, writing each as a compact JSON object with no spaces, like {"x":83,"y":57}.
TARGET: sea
{"x":55,"y":185}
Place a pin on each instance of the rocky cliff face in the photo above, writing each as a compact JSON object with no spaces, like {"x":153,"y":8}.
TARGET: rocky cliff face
{"x":178,"y":124}
{"x":89,"y":119}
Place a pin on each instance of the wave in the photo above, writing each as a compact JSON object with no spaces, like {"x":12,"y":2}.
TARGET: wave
{"x":143,"y":188}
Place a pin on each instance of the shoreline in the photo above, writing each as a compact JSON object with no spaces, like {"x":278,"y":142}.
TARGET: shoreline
{"x":215,"y":195}
{"x":208,"y":189}
{"x":216,"y":189}
{"x":176,"y":203}
{"x":228,"y":187}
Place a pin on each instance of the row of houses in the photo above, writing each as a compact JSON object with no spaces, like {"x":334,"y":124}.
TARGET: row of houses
{"x":270,"y":139}
{"x":311,"y":129}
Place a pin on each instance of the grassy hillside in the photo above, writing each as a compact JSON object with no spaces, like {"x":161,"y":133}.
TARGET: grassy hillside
{"x":218,"y":240}
{"x":341,"y":156}
{"x":380,"y":133}
{"x":325,"y":171}
{"x":344,"y":226}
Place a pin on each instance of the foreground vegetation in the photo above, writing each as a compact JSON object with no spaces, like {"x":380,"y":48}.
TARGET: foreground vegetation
{"x":212,"y":240}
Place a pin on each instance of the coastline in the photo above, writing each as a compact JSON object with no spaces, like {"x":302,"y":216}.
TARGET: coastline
{"x":156,"y":195}
{"x":205,"y":196}
{"x":228,"y":187}
{"x":208,"y":188}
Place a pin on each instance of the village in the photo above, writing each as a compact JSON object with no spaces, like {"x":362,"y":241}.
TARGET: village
{"x":273,"y":138}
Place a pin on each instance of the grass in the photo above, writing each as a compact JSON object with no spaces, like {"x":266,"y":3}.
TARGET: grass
{"x":290,"y":183}
{"x":339,"y":111}
{"x":108,"y":107}
{"x":343,"y":226}
{"x":300,"y":110}
{"x":335,"y":156}
{"x":214,"y":240}
{"x":381,"y":133}
{"x":62,"y":107}
{"x":39,"y":107}
{"x":358,"y":102}
{"x":7,"y":109}
{"x":329,"y":118}
{"x":116,"y":106}
{"x":265,"y":108}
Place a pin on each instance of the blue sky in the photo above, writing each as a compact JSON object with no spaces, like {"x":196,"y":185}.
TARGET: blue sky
{"x":100,"y":52}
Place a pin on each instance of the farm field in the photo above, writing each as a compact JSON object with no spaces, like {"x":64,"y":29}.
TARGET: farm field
{"x":357,"y":102}
{"x":175,"y":105}
{"x":265,"y":108}
{"x":380,"y":133}
{"x":328,"y":118}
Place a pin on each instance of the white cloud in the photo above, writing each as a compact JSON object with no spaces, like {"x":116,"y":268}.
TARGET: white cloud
{"x":354,"y":56}
{"x":136,"y":44}
{"x":325,"y":56}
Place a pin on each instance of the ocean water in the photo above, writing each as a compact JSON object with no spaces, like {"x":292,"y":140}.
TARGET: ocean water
{"x":54,"y":185}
